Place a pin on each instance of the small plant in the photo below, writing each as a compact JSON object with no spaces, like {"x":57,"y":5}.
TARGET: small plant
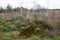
{"x":5,"y":28}
{"x":18,"y":25}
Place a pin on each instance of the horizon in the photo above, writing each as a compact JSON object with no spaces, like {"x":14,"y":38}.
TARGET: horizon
{"x":50,"y":4}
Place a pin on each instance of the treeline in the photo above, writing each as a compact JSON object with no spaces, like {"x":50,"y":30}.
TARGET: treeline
{"x":9,"y":9}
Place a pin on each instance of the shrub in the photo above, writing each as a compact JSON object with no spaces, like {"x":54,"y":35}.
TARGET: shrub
{"x":44,"y":25}
{"x":37,"y":27}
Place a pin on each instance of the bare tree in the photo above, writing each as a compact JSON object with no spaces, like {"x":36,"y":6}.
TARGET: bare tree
{"x":1,"y":9}
{"x":9,"y":8}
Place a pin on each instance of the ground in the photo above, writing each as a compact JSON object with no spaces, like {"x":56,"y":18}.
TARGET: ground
{"x":8,"y":36}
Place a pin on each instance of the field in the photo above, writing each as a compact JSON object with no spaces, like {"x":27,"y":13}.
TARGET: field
{"x":14,"y":26}
{"x":9,"y":27}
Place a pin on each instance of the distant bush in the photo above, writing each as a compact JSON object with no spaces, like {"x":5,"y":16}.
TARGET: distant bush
{"x":10,"y":20}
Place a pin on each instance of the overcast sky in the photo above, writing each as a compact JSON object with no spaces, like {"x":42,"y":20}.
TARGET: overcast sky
{"x":29,"y":3}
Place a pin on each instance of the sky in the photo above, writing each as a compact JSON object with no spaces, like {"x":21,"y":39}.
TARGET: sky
{"x":51,"y":4}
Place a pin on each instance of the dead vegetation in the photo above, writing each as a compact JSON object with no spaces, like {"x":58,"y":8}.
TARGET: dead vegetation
{"x":31,"y":28}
